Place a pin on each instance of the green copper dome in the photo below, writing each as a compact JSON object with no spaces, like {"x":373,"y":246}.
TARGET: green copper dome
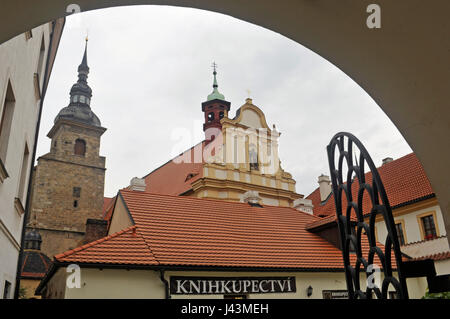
{"x":215,"y":93}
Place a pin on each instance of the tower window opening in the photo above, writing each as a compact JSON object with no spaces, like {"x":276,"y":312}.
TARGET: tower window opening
{"x":221,"y":114}
{"x":210,"y":117}
{"x":77,"y":192}
{"x":80,"y":147}
{"x":75,"y":203}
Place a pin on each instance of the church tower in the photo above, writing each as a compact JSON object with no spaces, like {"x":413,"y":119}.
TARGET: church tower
{"x":215,"y":108}
{"x":68,"y":182}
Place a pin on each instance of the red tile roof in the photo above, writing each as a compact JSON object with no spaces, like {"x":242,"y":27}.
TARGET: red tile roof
{"x":124,"y":247}
{"x":176,"y":176}
{"x":404,"y":180}
{"x":106,"y":203}
{"x":35,"y":264}
{"x":325,"y":221}
{"x":187,"y":231}
{"x":109,"y":209}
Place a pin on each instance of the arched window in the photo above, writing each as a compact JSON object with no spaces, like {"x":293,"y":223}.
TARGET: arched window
{"x":210,"y":117}
{"x":80,"y":147}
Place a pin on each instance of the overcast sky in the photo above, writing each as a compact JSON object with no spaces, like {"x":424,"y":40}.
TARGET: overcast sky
{"x":150,"y":70}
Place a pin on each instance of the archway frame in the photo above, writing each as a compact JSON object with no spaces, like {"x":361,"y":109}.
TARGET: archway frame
{"x":403,"y":65}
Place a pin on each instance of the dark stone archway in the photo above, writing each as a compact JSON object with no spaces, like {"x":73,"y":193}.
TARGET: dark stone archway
{"x":404,"y":65}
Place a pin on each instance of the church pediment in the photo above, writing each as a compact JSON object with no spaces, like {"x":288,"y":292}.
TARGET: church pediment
{"x":250,"y":115}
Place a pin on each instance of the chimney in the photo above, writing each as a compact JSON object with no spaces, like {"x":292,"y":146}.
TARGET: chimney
{"x":304,"y":205}
{"x":324,"y":187}
{"x":252,"y":197}
{"x":387,"y":160}
{"x":95,"y":229}
{"x":137,"y":184}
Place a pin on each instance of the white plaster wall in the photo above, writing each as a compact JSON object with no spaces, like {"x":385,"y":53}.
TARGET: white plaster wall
{"x":123,"y":284}
{"x":412,"y":226}
{"x":18,"y":63}
{"x":118,"y":284}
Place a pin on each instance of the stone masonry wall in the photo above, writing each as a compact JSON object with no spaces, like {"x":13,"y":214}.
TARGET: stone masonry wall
{"x":68,"y":189}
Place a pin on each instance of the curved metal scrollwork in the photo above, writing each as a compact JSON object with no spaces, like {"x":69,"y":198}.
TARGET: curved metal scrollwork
{"x":357,"y":225}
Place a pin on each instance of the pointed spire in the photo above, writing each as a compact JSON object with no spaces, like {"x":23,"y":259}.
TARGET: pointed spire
{"x":214,"y":65}
{"x":83,"y":68}
{"x":84,"y":62}
{"x":215,"y":93}
{"x":79,"y":108}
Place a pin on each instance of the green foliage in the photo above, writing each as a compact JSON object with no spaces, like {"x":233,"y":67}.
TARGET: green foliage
{"x":441,"y":295}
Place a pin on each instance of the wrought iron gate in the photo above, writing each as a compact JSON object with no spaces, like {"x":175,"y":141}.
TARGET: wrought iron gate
{"x":355,"y":235}
{"x":358,"y":236}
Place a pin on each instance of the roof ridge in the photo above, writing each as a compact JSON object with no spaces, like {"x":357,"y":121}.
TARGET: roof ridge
{"x":378,"y":167}
{"x":209,"y":199}
{"x":148,"y":246}
{"x":43,"y":260}
{"x":98,"y":241}
{"x":23,"y":263}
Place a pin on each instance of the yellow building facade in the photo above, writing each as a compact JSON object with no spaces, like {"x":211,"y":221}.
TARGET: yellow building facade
{"x":238,"y":155}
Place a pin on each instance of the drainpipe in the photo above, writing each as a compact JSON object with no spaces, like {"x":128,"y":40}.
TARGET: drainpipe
{"x":165,"y":282}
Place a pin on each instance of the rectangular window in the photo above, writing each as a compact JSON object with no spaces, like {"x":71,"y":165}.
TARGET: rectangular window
{"x":23,"y":175}
{"x":7,"y":290}
{"x":429,"y":228}
{"x":401,"y":237}
{"x":77,"y":192}
{"x":7,"y":112}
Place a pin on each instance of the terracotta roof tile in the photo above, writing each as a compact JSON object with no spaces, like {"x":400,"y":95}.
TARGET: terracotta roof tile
{"x":175,"y":177}
{"x":404,"y":180}
{"x":187,"y":231}
{"x":124,"y":247}
{"x":107,"y":203}
{"x":190,"y":231}
{"x":325,"y":221}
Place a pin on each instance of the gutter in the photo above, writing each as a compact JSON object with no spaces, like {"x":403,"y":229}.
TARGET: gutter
{"x":165,"y":282}
{"x":36,"y":135}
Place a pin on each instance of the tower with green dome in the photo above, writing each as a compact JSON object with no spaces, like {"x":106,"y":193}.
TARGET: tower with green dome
{"x":215,"y":108}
